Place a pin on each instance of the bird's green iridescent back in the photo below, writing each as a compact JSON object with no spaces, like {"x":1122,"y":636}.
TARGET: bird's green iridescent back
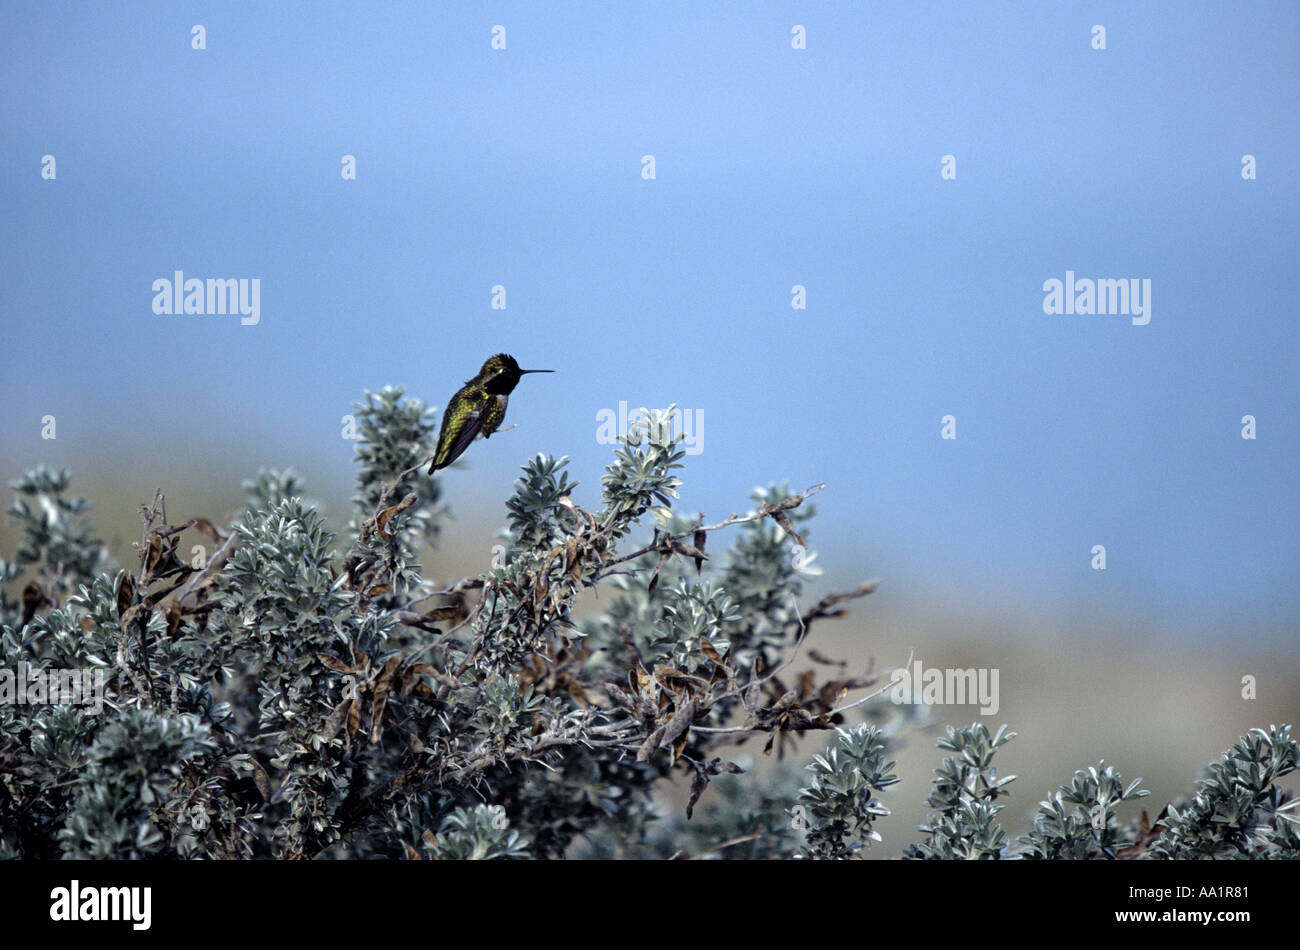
{"x":478,"y":408}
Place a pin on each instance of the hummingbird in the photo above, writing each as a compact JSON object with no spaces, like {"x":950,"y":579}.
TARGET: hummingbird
{"x":477,"y":408}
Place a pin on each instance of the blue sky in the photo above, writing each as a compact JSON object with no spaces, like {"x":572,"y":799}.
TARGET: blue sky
{"x":775,"y":167}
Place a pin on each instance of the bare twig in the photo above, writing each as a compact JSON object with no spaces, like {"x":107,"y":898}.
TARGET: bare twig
{"x":370,"y":523}
{"x":722,"y":730}
{"x":765,"y":511}
{"x":726,"y":844}
{"x":872,"y":695}
{"x":214,"y":563}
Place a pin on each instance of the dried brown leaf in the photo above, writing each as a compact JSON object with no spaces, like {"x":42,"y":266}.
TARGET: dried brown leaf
{"x":207,"y":527}
{"x":262,"y":780}
{"x":131,"y":615}
{"x":781,"y":518}
{"x":334,"y":663}
{"x":125,"y":594}
{"x":700,"y":538}
{"x":387,"y":515}
{"x":336,"y":719}
{"x":651,"y":743}
{"x":173,"y":614}
{"x":354,"y":718}
{"x":654,"y":578}
{"x":33,"y":597}
{"x":699,"y":782}
{"x":678,"y":725}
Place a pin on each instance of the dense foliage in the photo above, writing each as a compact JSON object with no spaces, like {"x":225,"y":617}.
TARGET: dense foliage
{"x":274,"y":689}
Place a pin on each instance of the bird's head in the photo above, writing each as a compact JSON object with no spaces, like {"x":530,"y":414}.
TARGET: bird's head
{"x":500,"y":374}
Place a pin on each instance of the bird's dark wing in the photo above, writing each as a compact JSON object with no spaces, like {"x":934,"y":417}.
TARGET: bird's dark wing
{"x":451,"y":449}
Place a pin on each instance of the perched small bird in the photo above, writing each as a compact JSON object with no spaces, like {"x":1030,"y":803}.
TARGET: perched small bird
{"x":477,"y":408}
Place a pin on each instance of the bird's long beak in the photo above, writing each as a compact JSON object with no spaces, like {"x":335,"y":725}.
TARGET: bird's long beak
{"x":522,"y":371}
